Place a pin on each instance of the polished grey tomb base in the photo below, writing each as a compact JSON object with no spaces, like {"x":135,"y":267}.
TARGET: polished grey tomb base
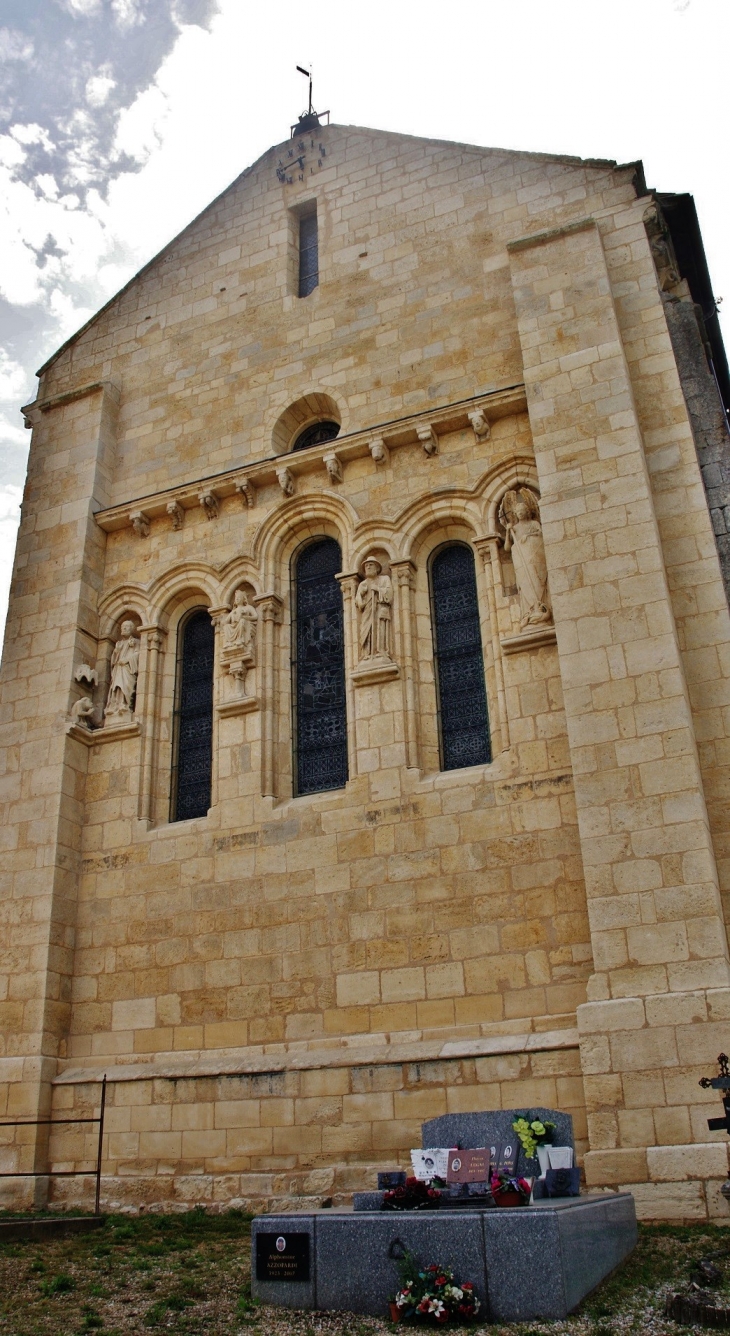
{"x":526,"y":1262}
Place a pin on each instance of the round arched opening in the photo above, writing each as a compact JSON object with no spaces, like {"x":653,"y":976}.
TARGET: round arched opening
{"x":317,"y":433}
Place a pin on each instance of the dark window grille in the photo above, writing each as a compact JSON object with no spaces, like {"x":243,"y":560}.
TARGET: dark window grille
{"x":308,"y":255}
{"x":318,"y":433}
{"x":461,"y":694}
{"x":320,"y":726}
{"x":193,"y":758}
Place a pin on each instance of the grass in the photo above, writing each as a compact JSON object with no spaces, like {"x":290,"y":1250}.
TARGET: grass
{"x":190,"y":1275}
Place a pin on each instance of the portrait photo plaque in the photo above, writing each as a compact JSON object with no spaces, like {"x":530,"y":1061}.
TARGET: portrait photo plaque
{"x":282,"y":1257}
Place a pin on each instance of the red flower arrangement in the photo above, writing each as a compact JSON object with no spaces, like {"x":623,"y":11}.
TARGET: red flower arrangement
{"x":510,"y":1191}
{"x":413,"y":1195}
{"x":433,"y":1295}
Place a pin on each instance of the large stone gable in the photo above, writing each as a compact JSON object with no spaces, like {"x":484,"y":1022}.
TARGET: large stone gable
{"x":281,"y":991}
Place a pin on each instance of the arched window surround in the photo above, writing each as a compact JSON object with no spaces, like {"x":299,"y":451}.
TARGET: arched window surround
{"x":464,"y":734}
{"x":320,"y":760}
{"x":192,"y":761}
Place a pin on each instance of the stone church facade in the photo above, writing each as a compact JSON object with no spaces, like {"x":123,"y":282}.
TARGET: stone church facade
{"x":366,"y":690}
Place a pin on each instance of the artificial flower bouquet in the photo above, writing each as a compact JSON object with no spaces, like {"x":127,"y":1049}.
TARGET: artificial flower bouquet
{"x":510,"y":1191}
{"x":433,"y":1295}
{"x":413,"y":1195}
{"x":533,"y":1133}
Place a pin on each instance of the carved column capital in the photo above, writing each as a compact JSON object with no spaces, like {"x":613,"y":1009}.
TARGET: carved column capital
{"x":404,"y":572}
{"x":348,"y":582}
{"x":217,"y":614}
{"x":154,"y":635}
{"x":484,"y":546}
{"x":271,"y":607}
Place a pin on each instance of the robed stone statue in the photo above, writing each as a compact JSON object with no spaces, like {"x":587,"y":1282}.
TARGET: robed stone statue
{"x":123,"y":684}
{"x":374,"y":600}
{"x":520,"y":515}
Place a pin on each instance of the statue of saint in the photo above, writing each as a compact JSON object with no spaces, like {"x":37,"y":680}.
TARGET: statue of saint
{"x":125,"y":666}
{"x":373,"y":600}
{"x":520,"y":515}
{"x":239,"y":627}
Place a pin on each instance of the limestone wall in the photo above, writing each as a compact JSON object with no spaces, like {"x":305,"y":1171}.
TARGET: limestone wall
{"x":288,"y":986}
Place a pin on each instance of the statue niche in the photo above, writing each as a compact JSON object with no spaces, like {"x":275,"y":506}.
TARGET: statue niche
{"x":520,"y":516}
{"x":239,"y":628}
{"x":123,"y":682}
{"x":374,"y":602}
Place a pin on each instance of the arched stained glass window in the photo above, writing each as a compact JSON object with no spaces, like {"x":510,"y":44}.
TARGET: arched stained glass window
{"x":193,"y":734}
{"x":320,"y":722}
{"x":462,"y":697}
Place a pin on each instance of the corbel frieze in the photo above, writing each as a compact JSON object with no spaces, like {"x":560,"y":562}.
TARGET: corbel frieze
{"x":283,"y":471}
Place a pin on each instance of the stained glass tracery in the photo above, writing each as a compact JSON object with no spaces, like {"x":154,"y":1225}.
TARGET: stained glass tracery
{"x":462,"y":697}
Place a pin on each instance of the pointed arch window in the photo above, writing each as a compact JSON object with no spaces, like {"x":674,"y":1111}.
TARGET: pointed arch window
{"x":318,"y":664}
{"x":460,"y":689}
{"x":193,"y":723}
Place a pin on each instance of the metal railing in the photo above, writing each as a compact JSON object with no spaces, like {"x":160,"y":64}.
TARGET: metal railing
{"x":58,"y":1122}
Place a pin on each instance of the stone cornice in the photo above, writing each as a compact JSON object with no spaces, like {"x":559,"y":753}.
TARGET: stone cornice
{"x":355,"y":445}
{"x":377,"y":1050}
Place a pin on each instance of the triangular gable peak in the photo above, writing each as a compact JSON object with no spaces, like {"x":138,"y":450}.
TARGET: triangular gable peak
{"x":342,"y":142}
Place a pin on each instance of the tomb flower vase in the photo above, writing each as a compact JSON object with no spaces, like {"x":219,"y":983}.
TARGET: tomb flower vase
{"x":542,"y":1155}
{"x":394,"y":1312}
{"x":509,"y":1198}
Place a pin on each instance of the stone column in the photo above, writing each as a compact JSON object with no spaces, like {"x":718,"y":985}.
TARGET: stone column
{"x":270,"y":606}
{"x":405,"y":574}
{"x":659,"y":996}
{"x":488,"y":549}
{"x":216,"y":616}
{"x":348,"y":583}
{"x":148,"y":708}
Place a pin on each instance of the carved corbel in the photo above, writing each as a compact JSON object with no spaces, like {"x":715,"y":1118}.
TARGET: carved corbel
{"x":85,"y":673}
{"x":428,"y":438}
{"x":176,"y":513}
{"x":246,"y":491}
{"x":209,"y":502}
{"x":286,"y":482}
{"x":139,"y":522}
{"x":333,"y":466}
{"x":379,"y":450}
{"x":480,"y":423}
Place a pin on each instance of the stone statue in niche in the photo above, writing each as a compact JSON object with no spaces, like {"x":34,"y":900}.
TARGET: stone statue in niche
{"x":238,"y":650}
{"x":520,"y":515}
{"x":374,"y":602}
{"x":123,"y":684}
{"x":240,"y":626}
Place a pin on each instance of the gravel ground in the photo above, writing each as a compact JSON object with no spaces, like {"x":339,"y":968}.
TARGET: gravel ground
{"x":191,"y":1274}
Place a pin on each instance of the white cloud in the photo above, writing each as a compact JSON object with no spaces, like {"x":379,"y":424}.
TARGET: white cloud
{"x":81,"y":9}
{"x":127,"y":13}
{"x":13,"y":377}
{"x":14,"y":45}
{"x":140,"y":127}
{"x":98,"y":88}
{"x":32,"y":134}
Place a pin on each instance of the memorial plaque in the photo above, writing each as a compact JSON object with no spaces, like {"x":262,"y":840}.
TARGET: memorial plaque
{"x":468,"y":1166}
{"x":429,"y":1164}
{"x":507,"y":1158}
{"x":282,"y":1257}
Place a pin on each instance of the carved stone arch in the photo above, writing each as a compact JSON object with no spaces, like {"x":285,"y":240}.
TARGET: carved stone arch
{"x":316,"y":406}
{"x":128,"y":599}
{"x":236,"y":573}
{"x":374,"y":538}
{"x":437,"y":512}
{"x":516,"y":472}
{"x":175,"y":585}
{"x":287,"y":527}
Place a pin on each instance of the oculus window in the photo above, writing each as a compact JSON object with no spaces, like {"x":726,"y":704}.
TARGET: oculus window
{"x":460,"y":689}
{"x":320,"y":717}
{"x":193,"y":731}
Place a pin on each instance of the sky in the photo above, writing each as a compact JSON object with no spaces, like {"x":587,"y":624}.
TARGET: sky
{"x":121,"y":119}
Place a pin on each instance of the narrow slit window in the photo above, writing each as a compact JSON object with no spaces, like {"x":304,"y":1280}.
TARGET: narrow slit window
{"x":193,"y":732}
{"x":320,"y":723}
{"x":308,"y":254}
{"x":461,"y":693}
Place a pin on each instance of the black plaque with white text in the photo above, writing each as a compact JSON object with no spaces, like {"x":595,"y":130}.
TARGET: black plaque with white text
{"x":282,"y":1257}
